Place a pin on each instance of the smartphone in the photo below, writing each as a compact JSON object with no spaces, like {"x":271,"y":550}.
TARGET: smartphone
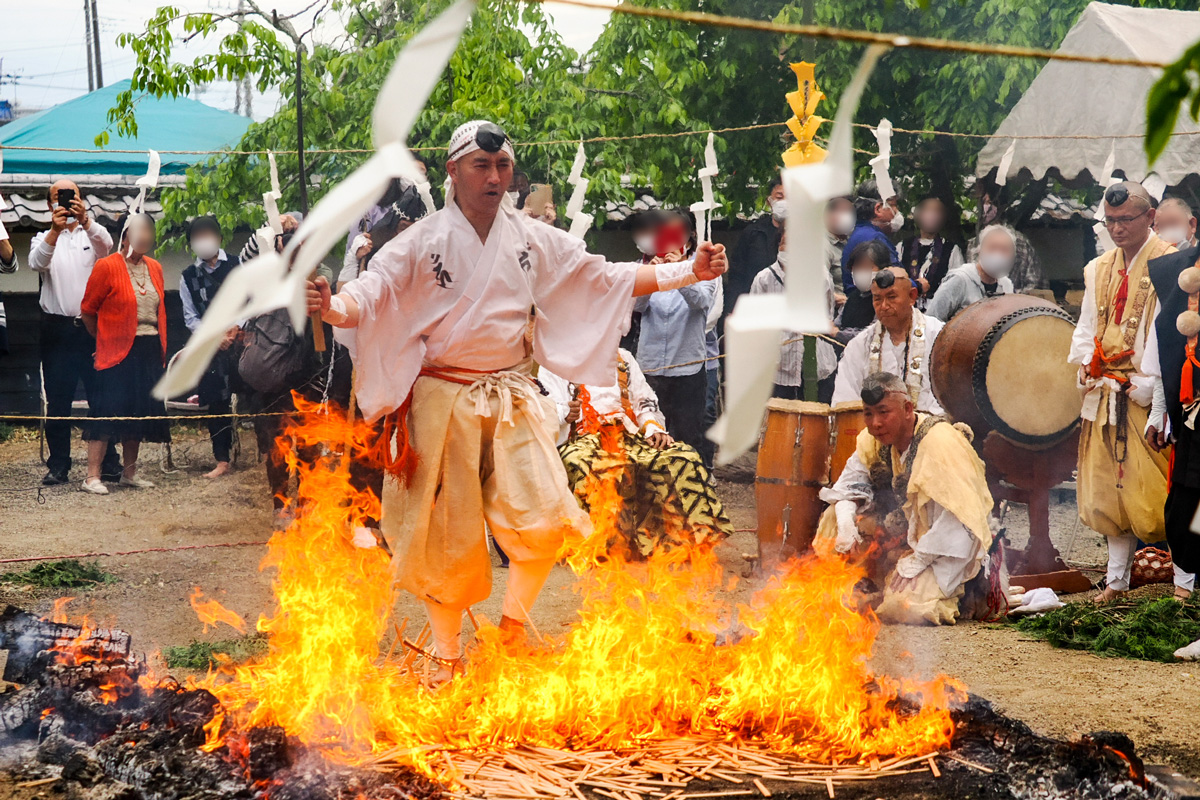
{"x":539,"y":195}
{"x":65,"y":197}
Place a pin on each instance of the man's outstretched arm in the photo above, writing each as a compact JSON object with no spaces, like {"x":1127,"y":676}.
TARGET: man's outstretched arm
{"x":710,"y":262}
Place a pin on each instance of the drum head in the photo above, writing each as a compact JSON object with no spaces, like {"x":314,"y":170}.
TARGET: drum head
{"x":1030,"y":386}
{"x":800,"y":407}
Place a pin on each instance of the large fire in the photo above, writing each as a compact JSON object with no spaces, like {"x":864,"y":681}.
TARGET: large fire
{"x":658,"y":651}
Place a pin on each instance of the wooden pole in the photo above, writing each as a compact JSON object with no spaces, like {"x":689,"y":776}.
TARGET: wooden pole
{"x":318,"y":327}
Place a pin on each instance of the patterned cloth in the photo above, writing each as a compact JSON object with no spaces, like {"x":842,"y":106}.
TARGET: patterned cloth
{"x":666,"y":498}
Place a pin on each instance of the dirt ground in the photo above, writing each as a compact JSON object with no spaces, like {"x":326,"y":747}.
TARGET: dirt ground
{"x":1059,"y":693}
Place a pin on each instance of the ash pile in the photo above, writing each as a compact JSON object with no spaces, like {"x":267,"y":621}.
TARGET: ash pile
{"x":79,"y":713}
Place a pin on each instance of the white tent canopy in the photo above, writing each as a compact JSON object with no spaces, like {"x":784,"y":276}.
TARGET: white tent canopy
{"x":1100,"y":102}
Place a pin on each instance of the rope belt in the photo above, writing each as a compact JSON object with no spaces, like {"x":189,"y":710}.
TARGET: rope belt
{"x":508,"y":385}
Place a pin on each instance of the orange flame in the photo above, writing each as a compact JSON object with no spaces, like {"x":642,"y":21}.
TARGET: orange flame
{"x":211,"y":612}
{"x":658,"y":650}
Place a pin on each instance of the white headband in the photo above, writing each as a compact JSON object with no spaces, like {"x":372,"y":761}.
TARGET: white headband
{"x":463,"y":143}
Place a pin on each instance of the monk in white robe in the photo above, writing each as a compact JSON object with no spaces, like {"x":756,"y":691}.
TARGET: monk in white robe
{"x":438,"y":329}
{"x":1122,"y":481}
{"x":899,"y":342}
{"x":913,"y":504}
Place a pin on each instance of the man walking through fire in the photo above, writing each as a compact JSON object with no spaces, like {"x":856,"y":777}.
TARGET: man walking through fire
{"x":438,"y":326}
{"x":912,"y":502}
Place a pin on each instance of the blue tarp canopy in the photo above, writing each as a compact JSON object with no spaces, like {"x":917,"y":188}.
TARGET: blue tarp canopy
{"x":163,"y":124}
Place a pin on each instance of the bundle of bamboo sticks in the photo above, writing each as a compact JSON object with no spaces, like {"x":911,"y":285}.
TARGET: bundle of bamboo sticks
{"x":676,"y":769}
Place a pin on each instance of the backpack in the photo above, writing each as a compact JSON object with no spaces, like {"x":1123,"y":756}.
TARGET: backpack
{"x":274,"y":353}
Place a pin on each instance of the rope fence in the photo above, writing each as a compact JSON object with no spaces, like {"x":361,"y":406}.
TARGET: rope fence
{"x":102,"y":554}
{"x":606,"y":139}
{"x":895,"y":40}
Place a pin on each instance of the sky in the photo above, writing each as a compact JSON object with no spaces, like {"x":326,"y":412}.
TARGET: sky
{"x":42,"y":44}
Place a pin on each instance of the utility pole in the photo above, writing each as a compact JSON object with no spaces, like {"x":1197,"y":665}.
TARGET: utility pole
{"x":241,"y":100}
{"x":300,"y":128}
{"x":87,"y":42}
{"x":96,"y":44}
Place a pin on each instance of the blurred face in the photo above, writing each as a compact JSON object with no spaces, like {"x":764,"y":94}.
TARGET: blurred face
{"x":480,"y":180}
{"x":839,"y":217}
{"x":931,"y":216}
{"x":775,"y":195}
{"x":892,"y":420}
{"x":1128,"y":224}
{"x":894,"y":305}
{"x":139,"y":235}
{"x":1174,"y":223}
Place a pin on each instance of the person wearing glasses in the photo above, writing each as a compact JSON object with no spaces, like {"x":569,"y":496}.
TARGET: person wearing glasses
{"x":899,"y":342}
{"x":1122,"y":481}
{"x":439,"y":325}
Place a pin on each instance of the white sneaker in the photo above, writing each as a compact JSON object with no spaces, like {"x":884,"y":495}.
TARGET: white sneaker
{"x":136,"y":483}
{"x":94,"y":486}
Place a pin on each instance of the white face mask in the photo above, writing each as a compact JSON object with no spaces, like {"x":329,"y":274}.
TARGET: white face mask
{"x":897,"y":222}
{"x":205,"y":247}
{"x":862,"y":279}
{"x":515,"y":197}
{"x":844,"y":223}
{"x":1175,"y":236}
{"x":997,"y":265}
{"x":779,"y":210}
{"x":783,"y":258}
{"x":645,"y":243}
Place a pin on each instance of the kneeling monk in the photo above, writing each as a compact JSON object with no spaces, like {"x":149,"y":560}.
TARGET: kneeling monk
{"x":925,"y":504}
{"x":437,"y":331}
{"x":618,"y":430}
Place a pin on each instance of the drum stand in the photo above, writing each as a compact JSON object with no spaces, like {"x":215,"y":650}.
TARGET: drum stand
{"x":1028,"y":476}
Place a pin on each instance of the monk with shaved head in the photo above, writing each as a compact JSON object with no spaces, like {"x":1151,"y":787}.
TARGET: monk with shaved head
{"x":1122,"y":482}
{"x":898,"y":342}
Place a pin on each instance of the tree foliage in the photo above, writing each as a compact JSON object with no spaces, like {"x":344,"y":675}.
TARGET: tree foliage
{"x":641,"y":77}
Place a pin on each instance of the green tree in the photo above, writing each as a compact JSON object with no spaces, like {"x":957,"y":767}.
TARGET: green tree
{"x":641,"y":77}
{"x":510,"y":65}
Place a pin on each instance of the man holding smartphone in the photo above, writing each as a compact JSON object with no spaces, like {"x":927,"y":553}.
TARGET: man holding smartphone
{"x":63,"y":257}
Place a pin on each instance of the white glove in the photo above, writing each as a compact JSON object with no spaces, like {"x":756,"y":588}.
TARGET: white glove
{"x":847,"y":526}
{"x":910,"y":566}
{"x":1158,"y":410}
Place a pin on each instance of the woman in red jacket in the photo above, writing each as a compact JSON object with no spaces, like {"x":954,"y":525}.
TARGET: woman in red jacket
{"x":123,"y":308}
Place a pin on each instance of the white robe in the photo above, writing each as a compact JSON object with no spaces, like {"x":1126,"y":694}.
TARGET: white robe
{"x":438,"y":295}
{"x":947,"y":547}
{"x":855,"y":365}
{"x":606,"y":400}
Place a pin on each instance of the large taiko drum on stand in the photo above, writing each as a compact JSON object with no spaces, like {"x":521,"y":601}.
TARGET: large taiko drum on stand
{"x":1001,"y":365}
{"x":793,"y":465}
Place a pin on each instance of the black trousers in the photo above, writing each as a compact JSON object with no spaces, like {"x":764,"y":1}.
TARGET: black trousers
{"x":681,"y":399}
{"x":214,"y":393}
{"x":824,"y":391}
{"x":67,"y":351}
{"x":1180,"y":510}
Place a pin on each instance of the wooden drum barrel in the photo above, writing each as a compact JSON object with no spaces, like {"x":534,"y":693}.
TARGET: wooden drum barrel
{"x":1001,"y":365}
{"x":848,"y":422}
{"x":793,"y":465}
